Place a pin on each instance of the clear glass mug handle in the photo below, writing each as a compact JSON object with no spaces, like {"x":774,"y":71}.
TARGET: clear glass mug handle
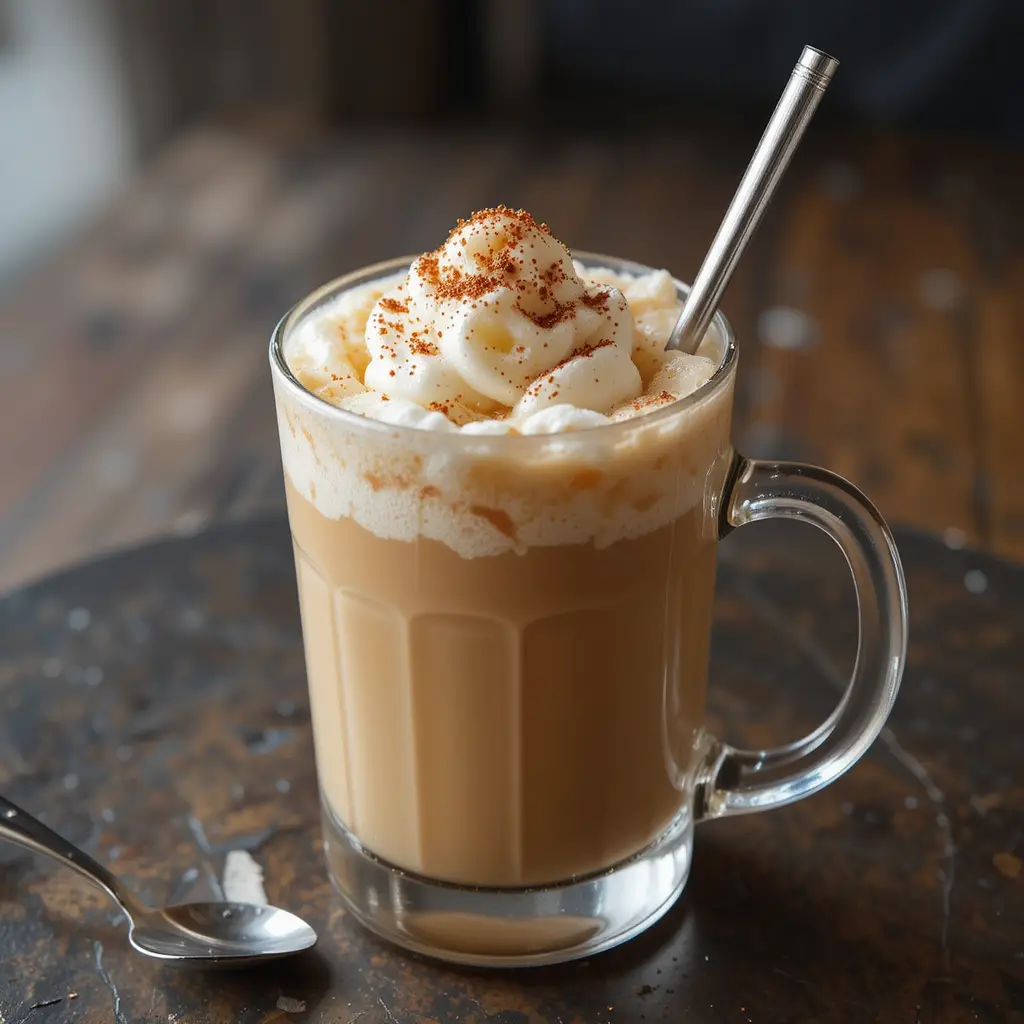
{"x":733,"y":781}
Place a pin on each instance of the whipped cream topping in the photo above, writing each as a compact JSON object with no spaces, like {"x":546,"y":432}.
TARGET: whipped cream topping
{"x":499,"y":331}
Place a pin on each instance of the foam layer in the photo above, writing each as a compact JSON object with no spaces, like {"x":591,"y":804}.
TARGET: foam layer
{"x":485,"y":495}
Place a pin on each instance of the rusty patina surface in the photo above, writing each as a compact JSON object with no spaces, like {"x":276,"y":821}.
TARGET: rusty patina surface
{"x":154,"y":710}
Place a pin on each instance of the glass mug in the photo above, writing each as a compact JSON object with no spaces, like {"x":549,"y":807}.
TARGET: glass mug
{"x":506,"y":645}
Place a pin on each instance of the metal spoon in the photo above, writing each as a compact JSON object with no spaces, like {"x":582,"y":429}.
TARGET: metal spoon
{"x":189,"y":934}
{"x":799,"y":100}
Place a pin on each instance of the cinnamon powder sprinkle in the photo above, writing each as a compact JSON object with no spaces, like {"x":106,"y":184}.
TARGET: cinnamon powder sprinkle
{"x":647,"y":401}
{"x":500,"y":262}
{"x":555,"y":274}
{"x":583,"y":352}
{"x":562,"y":311}
{"x":522,"y":220}
{"x":453,"y":283}
{"x":497,"y":265}
{"x":419,"y":347}
{"x":598,"y":301}
{"x":393,"y":306}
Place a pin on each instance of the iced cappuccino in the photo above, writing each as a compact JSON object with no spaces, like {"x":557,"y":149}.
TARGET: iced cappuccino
{"x":505,"y":497}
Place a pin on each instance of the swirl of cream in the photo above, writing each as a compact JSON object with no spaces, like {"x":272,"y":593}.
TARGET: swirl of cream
{"x":489,"y":318}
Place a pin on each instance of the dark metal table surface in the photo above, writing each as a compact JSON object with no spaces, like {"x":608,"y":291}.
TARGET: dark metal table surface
{"x":154,"y":710}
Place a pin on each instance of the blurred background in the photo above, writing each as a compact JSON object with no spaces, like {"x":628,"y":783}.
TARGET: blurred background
{"x":175,"y":174}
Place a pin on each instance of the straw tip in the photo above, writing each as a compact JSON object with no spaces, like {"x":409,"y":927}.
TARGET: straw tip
{"x":817,"y":66}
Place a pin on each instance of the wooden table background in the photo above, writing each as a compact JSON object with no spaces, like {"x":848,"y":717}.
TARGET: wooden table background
{"x":879,"y":309}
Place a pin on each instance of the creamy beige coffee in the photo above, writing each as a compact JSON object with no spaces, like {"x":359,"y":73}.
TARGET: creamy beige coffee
{"x":505,"y":540}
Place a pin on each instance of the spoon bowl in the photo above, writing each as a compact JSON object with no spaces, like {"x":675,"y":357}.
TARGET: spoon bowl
{"x":222,"y":934}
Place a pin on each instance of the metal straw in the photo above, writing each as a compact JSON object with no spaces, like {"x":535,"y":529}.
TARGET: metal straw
{"x":803,"y":92}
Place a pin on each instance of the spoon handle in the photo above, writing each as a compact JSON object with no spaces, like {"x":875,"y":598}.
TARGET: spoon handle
{"x":19,"y":827}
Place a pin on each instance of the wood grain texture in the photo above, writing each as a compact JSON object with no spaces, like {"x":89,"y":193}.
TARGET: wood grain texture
{"x":880,"y":311}
{"x":154,"y":710}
